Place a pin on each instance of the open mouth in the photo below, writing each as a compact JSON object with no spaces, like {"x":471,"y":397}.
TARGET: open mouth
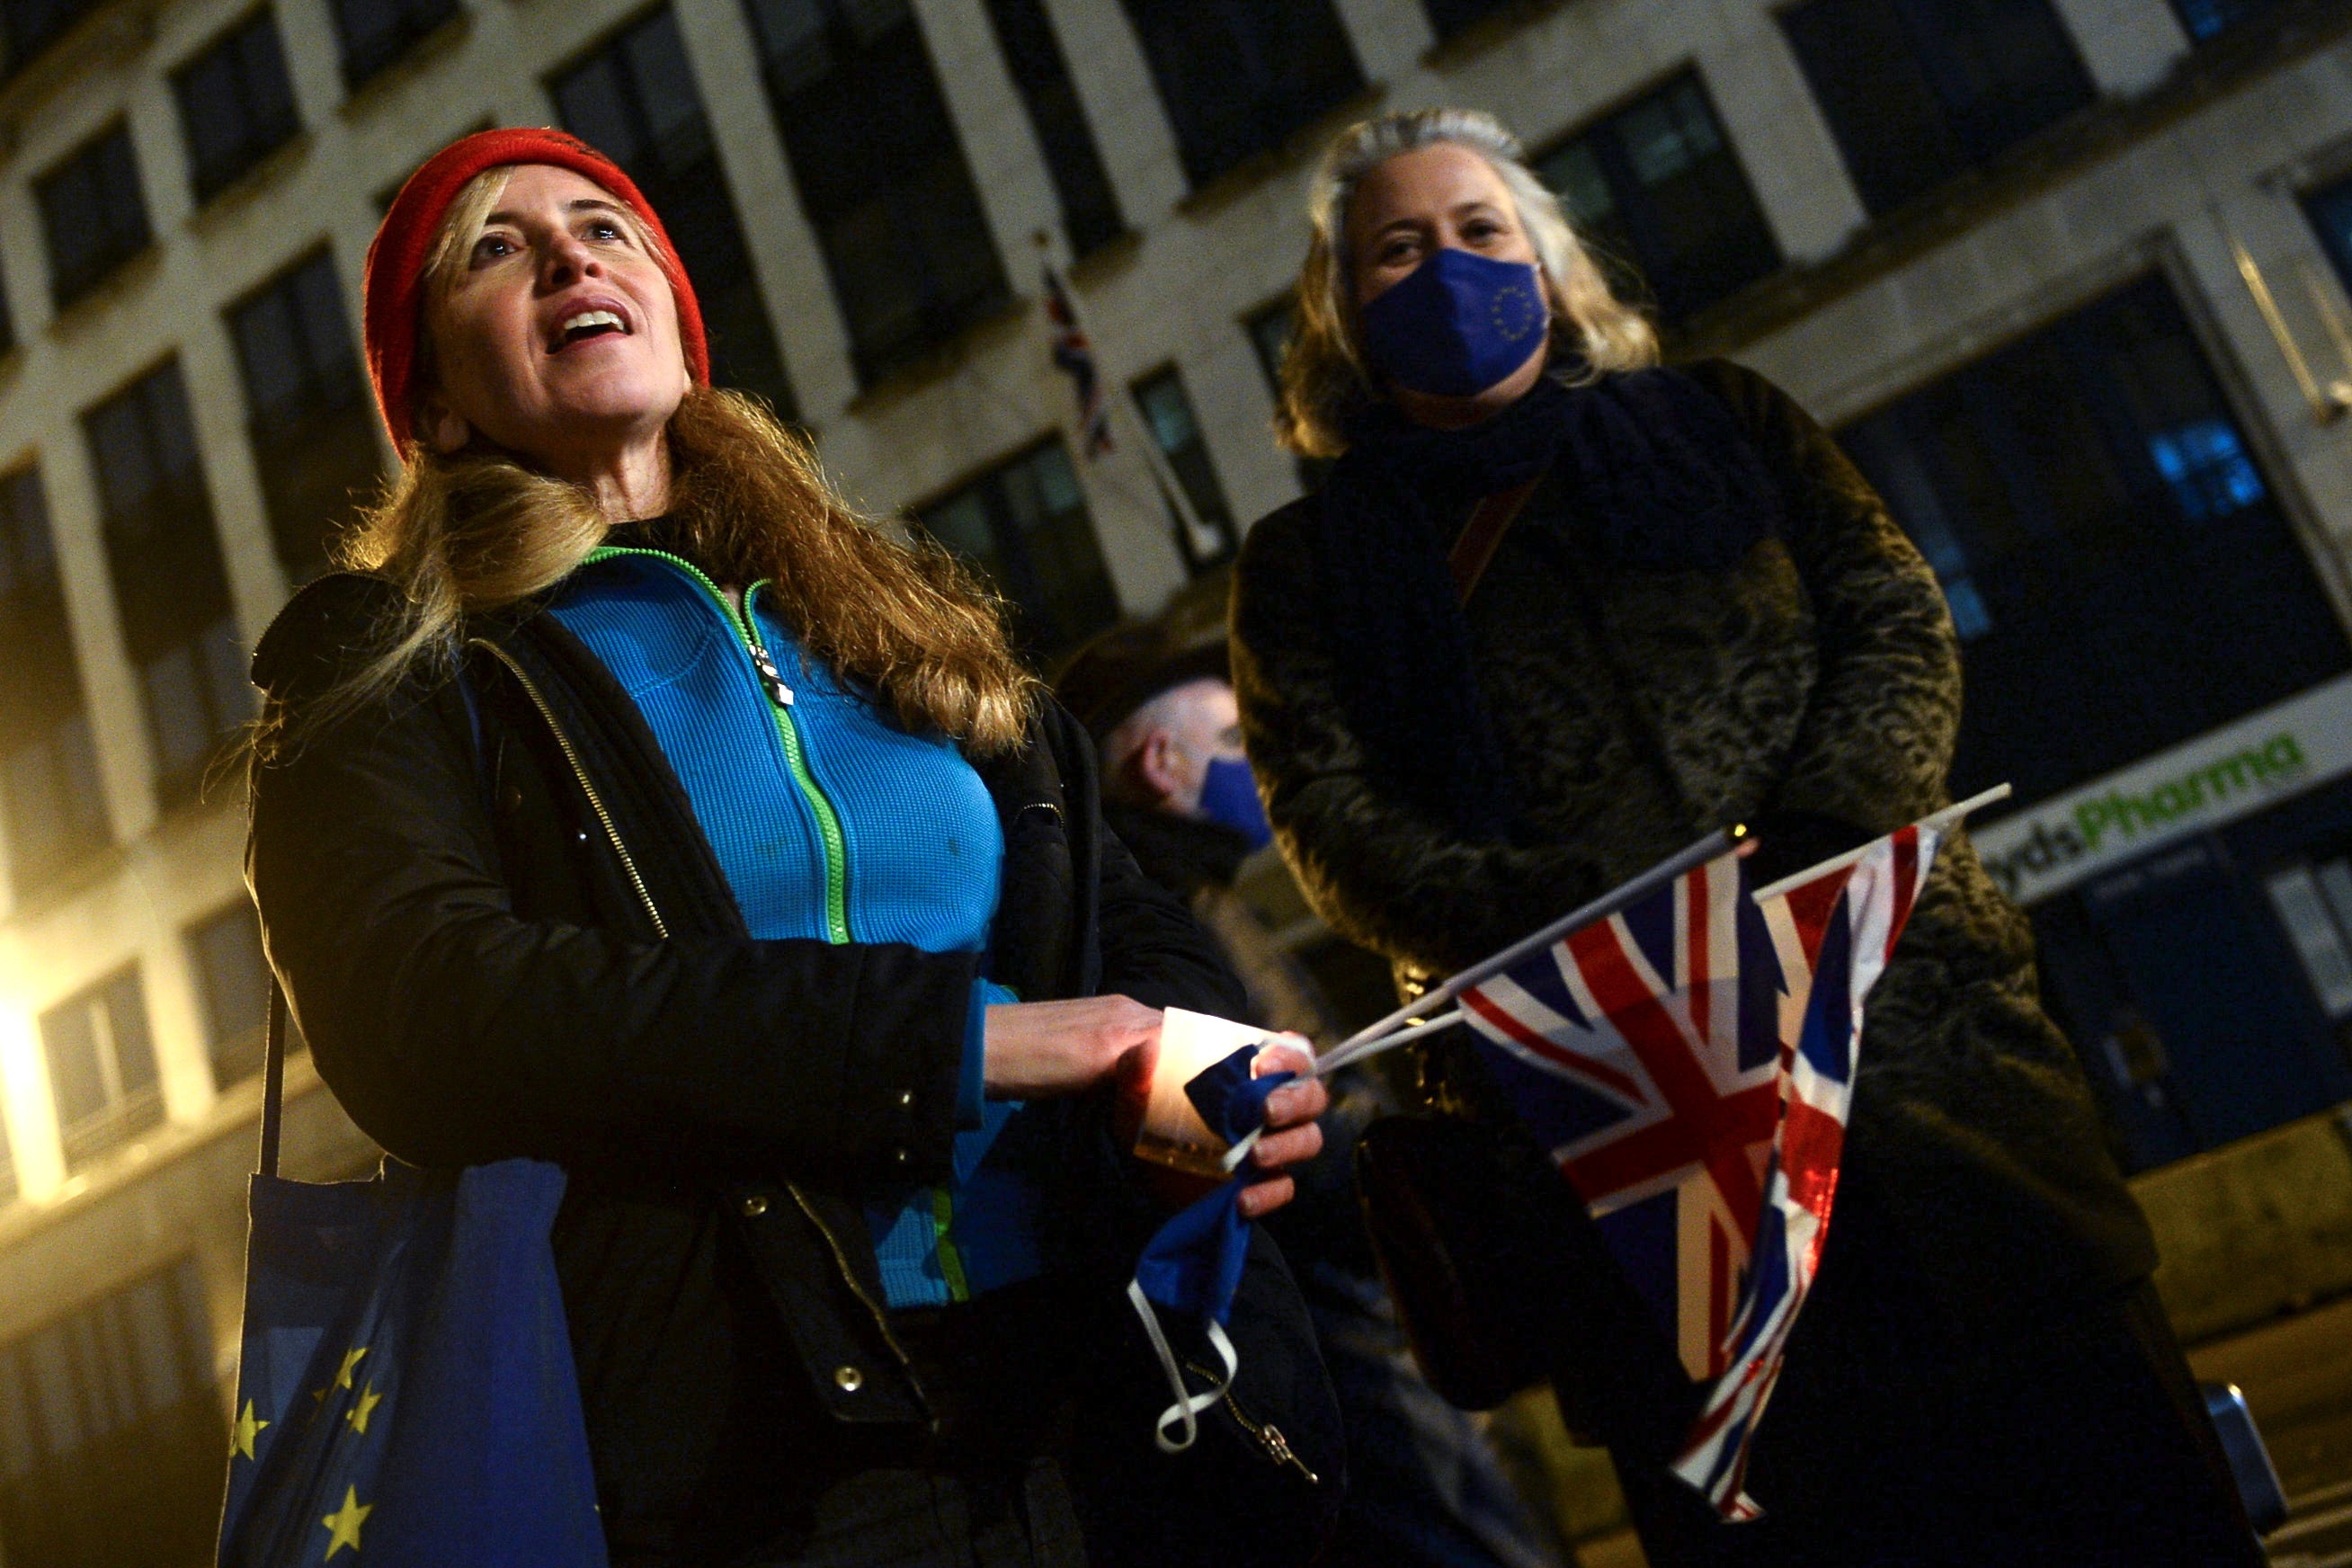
{"x":587,"y":324}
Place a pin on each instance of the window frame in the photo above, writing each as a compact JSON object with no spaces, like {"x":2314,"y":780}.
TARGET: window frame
{"x":131,"y":232}
{"x":259,"y":143}
{"x":418,"y":20}
{"x":127,"y":1107}
{"x":59,"y":725}
{"x":1205,"y":493}
{"x":1016,"y":573}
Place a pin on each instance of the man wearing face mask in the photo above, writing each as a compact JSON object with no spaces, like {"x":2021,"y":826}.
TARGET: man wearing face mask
{"x":1560,"y":610}
{"x":1424,"y":1487}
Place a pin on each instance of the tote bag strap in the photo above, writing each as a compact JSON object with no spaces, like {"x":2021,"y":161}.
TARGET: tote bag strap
{"x":273,"y":1078}
{"x":1475,"y":545}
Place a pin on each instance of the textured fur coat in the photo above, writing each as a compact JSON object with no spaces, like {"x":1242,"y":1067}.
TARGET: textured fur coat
{"x":1637,"y":710}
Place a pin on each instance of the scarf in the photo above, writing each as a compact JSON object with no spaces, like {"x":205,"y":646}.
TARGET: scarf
{"x":1660,"y":478}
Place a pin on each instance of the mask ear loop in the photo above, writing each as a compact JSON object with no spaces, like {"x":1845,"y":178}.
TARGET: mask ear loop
{"x":1185,"y":1415}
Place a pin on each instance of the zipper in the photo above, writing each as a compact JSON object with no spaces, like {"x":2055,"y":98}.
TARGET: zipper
{"x":833,"y":842}
{"x":587,"y":786}
{"x":1269,"y":1436}
{"x":628,"y":864}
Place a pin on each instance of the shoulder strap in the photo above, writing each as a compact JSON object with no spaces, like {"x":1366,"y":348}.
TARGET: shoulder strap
{"x":1476,"y":546}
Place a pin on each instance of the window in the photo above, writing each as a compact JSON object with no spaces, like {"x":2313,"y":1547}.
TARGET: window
{"x":237,"y":105}
{"x":636,"y":100}
{"x":2121,"y":574}
{"x":101,"y":1067}
{"x":1269,"y":328}
{"x":1208,"y":538}
{"x":2207,"y":18}
{"x":1919,"y":90}
{"x":2330,"y":210}
{"x":308,"y":409}
{"x":1447,"y":17}
{"x":1237,"y":77}
{"x":110,"y":1431}
{"x":881,"y":174}
{"x":48,"y":768}
{"x":93,"y":212}
{"x":1026,"y":34}
{"x":168,"y":579}
{"x":233,"y":980}
{"x":1657,"y":185}
{"x":375,"y":33}
{"x":1025,"y":527}
{"x":32,"y":26}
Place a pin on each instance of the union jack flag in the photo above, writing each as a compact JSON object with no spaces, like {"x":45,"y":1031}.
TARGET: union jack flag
{"x":1689,"y":1061}
{"x":1074,"y":356}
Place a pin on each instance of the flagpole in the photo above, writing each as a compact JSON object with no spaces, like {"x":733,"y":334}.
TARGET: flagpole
{"x":1937,"y":822}
{"x":1719,"y":843}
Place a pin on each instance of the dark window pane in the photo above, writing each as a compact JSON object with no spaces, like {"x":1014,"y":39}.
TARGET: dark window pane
{"x":48,"y":769}
{"x":1237,"y":77}
{"x":636,"y":100}
{"x":309,"y":410}
{"x":234,"y":981}
{"x":1660,"y":197}
{"x":1447,"y":17}
{"x":1025,"y":526}
{"x":1919,"y":90}
{"x":93,"y":215}
{"x":375,"y":33}
{"x":2122,"y":575}
{"x":111,"y":1430}
{"x":169,"y":583}
{"x":236,"y":104}
{"x":881,"y":174}
{"x":101,"y":1067}
{"x":32,"y":26}
{"x":1269,"y":328}
{"x":1208,"y":538}
{"x":1089,"y":211}
{"x":2207,"y":18}
{"x":2331,"y":214}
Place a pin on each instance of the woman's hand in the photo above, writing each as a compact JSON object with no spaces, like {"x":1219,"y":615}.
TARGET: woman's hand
{"x":1291,"y":1136}
{"x":1032,"y":1050}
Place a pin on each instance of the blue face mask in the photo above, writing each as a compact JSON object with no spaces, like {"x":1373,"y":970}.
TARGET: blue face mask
{"x":1228,"y":795}
{"x":1457,"y":324}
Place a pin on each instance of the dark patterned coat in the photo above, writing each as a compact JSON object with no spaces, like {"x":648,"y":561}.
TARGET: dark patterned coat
{"x":1818,"y":680}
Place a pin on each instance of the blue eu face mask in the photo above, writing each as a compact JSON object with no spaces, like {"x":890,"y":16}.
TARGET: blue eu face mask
{"x":1457,"y":324}
{"x":1228,"y":795}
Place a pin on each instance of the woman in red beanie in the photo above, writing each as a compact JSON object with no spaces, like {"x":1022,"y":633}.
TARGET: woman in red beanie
{"x":635,"y":805}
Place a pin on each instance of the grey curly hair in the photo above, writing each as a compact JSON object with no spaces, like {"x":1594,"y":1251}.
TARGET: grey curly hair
{"x":1324,"y":376}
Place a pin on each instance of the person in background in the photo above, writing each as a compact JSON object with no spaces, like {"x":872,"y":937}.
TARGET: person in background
{"x":1694,"y":613}
{"x":1424,"y":1487}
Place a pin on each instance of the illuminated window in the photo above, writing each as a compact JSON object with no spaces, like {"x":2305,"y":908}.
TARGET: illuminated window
{"x":1025,"y":526}
{"x":307,"y":410}
{"x":101,"y":1067}
{"x":169,"y":585}
{"x":636,"y":100}
{"x":1209,"y":538}
{"x":1026,"y":34}
{"x":1241,"y":76}
{"x":375,"y":33}
{"x":1918,"y":91}
{"x":48,"y":768}
{"x":111,"y":1432}
{"x":237,"y":105}
{"x":93,"y":212}
{"x":1657,"y":185}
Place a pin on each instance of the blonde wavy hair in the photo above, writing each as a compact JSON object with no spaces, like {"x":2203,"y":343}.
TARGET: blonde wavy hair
{"x":1324,"y":376}
{"x":481,"y":529}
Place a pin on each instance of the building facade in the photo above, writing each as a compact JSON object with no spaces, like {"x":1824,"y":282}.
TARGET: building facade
{"x":2068,"y":277}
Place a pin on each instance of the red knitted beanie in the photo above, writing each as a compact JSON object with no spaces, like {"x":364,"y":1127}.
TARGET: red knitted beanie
{"x":396,"y":258}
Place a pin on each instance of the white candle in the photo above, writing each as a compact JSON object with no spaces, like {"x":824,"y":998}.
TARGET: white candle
{"x":1173,"y":1133}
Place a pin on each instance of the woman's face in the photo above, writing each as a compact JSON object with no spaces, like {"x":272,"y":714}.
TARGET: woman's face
{"x":557,"y":338}
{"x":1424,"y":201}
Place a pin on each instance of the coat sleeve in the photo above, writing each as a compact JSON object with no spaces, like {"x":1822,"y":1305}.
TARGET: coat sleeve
{"x":454,"y":1030}
{"x":1876,"y":740}
{"x":1386,"y":875}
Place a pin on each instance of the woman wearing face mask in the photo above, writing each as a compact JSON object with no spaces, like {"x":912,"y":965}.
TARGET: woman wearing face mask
{"x":636,"y":807}
{"x":1695,"y":613}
